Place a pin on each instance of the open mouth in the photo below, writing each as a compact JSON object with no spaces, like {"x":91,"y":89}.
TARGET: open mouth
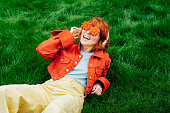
{"x":86,"y":37}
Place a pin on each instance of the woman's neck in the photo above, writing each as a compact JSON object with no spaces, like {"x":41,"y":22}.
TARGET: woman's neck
{"x":86,"y":49}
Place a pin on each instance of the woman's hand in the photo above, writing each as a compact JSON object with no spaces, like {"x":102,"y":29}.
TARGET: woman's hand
{"x":97,"y":89}
{"x":75,"y":31}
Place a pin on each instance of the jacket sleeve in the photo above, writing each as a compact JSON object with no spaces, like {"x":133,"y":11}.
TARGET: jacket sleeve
{"x":49,"y":49}
{"x":102,"y":79}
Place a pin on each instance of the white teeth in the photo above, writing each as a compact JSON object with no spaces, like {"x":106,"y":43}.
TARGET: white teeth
{"x":86,"y":37}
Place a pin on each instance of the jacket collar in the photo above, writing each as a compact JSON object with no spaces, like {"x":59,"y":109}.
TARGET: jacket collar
{"x":97,"y":53}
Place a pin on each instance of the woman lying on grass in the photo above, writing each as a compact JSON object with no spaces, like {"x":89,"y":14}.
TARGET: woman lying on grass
{"x":76,"y":70}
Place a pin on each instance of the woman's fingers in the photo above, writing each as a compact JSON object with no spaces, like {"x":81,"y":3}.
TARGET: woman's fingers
{"x":75,"y":31}
{"x":97,"y":89}
{"x":93,"y":89}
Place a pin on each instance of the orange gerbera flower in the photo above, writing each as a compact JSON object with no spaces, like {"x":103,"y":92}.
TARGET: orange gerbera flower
{"x":94,"y":31}
{"x":86,"y":26}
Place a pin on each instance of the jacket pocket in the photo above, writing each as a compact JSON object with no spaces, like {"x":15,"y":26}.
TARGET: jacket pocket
{"x":98,"y":72}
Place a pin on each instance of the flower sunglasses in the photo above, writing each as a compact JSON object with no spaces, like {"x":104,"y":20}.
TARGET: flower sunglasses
{"x":94,"y":31}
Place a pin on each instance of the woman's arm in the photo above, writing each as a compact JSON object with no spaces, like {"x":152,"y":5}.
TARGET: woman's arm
{"x":102,"y":79}
{"x":49,"y":49}
{"x":102,"y":84}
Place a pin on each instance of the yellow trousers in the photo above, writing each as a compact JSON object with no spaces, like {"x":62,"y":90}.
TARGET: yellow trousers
{"x":61,"y":96}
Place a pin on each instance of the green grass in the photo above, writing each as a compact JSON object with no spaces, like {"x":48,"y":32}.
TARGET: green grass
{"x":139,"y":48}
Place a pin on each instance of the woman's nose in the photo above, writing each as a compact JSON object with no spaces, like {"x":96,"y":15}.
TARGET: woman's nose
{"x":88,"y":31}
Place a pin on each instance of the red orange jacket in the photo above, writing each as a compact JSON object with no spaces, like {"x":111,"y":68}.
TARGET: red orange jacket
{"x":65,"y":54}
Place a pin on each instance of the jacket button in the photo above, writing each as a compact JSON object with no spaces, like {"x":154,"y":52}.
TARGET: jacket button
{"x":61,"y":59}
{"x":67,"y":70}
{"x":99,"y":73}
{"x":80,"y":56}
{"x":90,"y":76}
{"x":75,"y":62}
{"x":90,"y":64}
{"x":55,"y":77}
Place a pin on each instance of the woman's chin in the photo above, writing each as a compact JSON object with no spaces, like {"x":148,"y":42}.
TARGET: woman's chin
{"x":84,"y":44}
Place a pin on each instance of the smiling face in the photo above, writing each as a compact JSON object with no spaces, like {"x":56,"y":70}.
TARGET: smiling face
{"x":93,"y":33}
{"x":88,"y":40}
